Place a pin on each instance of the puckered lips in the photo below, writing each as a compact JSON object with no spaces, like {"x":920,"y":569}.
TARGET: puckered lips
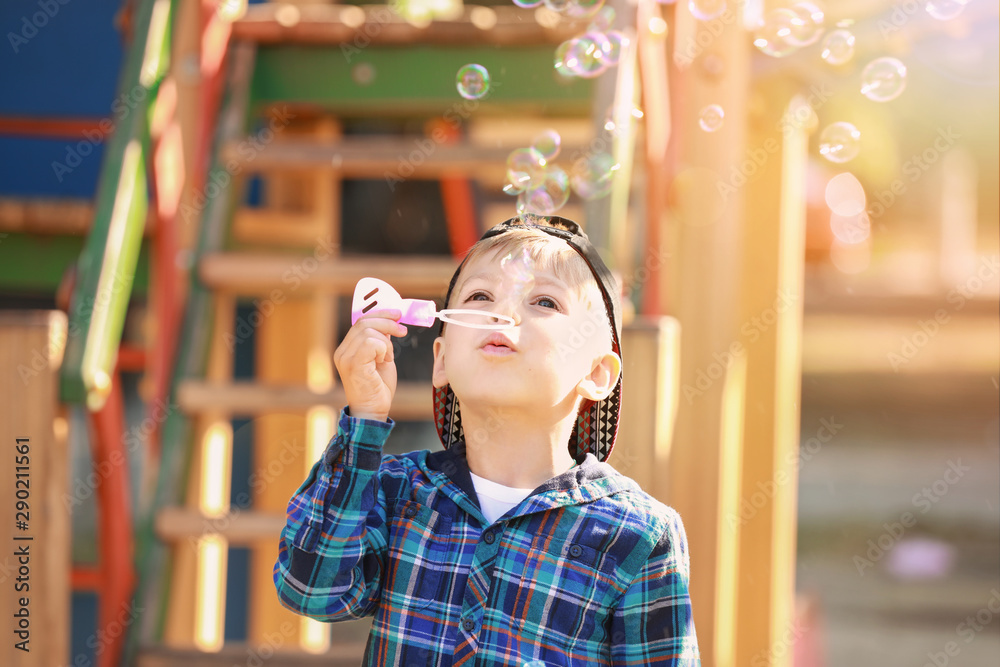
{"x":497,"y":344}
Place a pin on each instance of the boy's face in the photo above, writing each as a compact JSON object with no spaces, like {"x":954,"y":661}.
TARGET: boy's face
{"x":558,"y":350}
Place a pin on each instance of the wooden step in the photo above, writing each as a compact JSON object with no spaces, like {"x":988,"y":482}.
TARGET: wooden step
{"x":383,"y":157}
{"x":377,"y":24}
{"x":233,"y":653}
{"x":413,"y":400}
{"x":254,"y":273}
{"x":240,"y":526}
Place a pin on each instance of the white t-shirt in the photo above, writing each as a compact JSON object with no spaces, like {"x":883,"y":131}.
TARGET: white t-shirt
{"x":495,"y":499}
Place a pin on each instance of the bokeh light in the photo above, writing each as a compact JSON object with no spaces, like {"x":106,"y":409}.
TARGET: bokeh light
{"x":711,"y":117}
{"x":845,"y":195}
{"x":706,"y":10}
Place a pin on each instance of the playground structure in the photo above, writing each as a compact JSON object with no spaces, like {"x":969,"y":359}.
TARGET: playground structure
{"x":235,"y":171}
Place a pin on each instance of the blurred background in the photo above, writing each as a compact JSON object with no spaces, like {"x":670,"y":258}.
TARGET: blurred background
{"x":801,"y":201}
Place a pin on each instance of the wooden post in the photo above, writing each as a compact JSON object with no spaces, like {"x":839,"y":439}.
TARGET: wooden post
{"x":702,"y":293}
{"x":35,"y":565}
{"x":771,"y":313}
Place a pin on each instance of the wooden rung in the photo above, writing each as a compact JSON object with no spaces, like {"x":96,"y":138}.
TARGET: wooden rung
{"x":413,"y":400}
{"x":254,"y":273}
{"x":277,"y":227}
{"x":238,"y":653}
{"x":238,"y":527}
{"x":394,"y":159}
{"x":46,"y":216}
{"x":337,"y":24}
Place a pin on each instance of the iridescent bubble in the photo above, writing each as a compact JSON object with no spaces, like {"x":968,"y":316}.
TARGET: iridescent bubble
{"x":585,"y":56}
{"x":472,"y":81}
{"x":883,"y":79}
{"x":774,"y":35}
{"x":559,"y":6}
{"x":562,"y":53}
{"x":845,"y":195}
{"x":851,"y":229}
{"x":547,"y":197}
{"x":547,"y":144}
{"x":706,"y":10}
{"x":520,"y":268}
{"x":711,"y":117}
{"x":945,"y":10}
{"x":603,"y":20}
{"x":840,"y":142}
{"x":593,"y":175}
{"x":528,"y":4}
{"x":808,"y":25}
{"x":579,"y":9}
{"x":525,"y":168}
{"x":838,"y":47}
{"x":616,"y":41}
{"x":618,"y":119}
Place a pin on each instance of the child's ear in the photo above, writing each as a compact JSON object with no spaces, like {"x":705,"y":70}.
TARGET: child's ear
{"x":601,"y":381}
{"x":438,"y":377}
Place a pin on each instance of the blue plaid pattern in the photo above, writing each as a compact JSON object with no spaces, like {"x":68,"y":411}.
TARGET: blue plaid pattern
{"x":588,"y":570}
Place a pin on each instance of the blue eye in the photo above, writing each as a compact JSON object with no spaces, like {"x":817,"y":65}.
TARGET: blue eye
{"x":478,"y":296}
{"x":546,"y":302}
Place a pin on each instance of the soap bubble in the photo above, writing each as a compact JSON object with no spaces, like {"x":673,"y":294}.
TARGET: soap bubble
{"x":527,"y":4}
{"x":603,"y":20}
{"x":472,"y":81}
{"x":547,"y":144}
{"x":525,"y":168}
{"x":706,"y":10}
{"x":562,"y":53}
{"x":585,"y":54}
{"x":548,"y":197}
{"x":774,"y":35}
{"x":851,"y":229}
{"x":845,"y":195}
{"x":559,"y":6}
{"x":616,"y":41}
{"x":838,"y":47}
{"x":883,"y":79}
{"x":593,"y":175}
{"x":808,"y":24}
{"x":944,"y":10}
{"x":579,"y":9}
{"x":711,"y":117}
{"x":840,"y":142}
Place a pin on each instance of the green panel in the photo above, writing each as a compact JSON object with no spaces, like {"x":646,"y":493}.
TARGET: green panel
{"x":421,"y":77}
{"x":34,"y":264}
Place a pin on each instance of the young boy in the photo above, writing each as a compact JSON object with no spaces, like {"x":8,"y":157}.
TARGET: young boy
{"x":517,"y":542}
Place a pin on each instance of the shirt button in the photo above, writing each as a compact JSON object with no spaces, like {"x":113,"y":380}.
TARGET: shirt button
{"x":575,"y":551}
{"x":469,"y":625}
{"x":489,"y":536}
{"x":410,"y":511}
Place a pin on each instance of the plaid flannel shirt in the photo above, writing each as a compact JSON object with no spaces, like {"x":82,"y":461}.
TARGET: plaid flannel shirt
{"x":588,"y":570}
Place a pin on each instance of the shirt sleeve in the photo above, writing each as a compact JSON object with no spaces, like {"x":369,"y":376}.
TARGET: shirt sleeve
{"x":653,"y":624}
{"x":333,"y":547}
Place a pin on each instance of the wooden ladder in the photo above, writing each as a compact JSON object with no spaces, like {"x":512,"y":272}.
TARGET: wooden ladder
{"x":293,"y":87}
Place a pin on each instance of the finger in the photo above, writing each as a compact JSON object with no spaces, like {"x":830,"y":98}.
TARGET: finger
{"x":384,"y":321}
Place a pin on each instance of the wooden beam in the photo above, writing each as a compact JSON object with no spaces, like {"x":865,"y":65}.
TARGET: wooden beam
{"x":239,"y":526}
{"x":36,"y":472}
{"x":46,"y":216}
{"x":412,"y":399}
{"x":255,"y":273}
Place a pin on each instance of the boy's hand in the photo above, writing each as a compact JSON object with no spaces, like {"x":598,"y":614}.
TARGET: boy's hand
{"x":366,"y":365}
